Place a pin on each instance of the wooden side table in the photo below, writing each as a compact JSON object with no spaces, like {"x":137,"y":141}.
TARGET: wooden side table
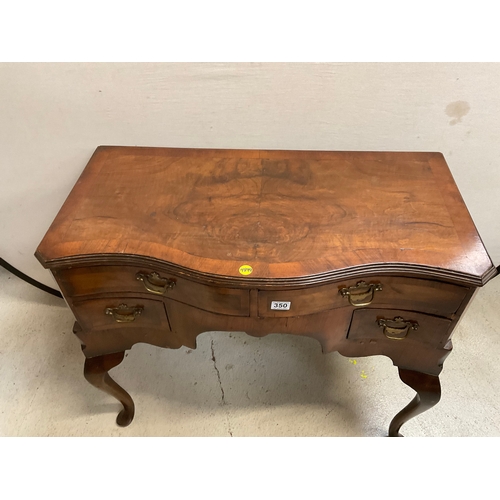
{"x":369,"y":253}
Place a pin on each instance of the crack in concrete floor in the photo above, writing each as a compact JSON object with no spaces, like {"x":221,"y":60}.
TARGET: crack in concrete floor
{"x":223,"y":396}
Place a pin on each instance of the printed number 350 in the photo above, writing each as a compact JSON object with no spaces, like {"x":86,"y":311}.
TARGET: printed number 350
{"x":282,"y":306}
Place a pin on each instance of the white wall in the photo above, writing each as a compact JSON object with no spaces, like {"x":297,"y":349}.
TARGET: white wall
{"x":52,"y":116}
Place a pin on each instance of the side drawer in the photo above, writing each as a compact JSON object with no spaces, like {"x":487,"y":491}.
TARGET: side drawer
{"x":393,"y":325}
{"x":130,"y":312}
{"x":433,"y":297}
{"x":84,"y":281}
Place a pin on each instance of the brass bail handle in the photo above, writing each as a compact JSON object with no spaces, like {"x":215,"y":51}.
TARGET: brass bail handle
{"x":361,"y":294}
{"x":397,"y":328}
{"x":154,"y":283}
{"x":123,"y":313}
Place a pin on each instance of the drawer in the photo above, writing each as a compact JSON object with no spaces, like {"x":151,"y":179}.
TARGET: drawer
{"x":393,"y":325}
{"x":103,"y":314}
{"x":433,"y":297}
{"x":118,"y":279}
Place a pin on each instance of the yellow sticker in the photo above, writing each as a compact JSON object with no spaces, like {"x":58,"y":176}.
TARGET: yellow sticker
{"x":245,"y":269}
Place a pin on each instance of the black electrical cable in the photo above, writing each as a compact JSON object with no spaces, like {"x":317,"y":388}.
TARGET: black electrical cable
{"x":29,"y":280}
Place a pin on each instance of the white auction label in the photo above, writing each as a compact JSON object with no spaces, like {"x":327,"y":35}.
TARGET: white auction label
{"x":280,"y":306}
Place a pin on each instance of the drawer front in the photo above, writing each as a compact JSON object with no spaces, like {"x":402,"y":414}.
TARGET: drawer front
{"x":129,"y":312}
{"x":393,"y":325}
{"x":432,"y":297}
{"x":119,"y":279}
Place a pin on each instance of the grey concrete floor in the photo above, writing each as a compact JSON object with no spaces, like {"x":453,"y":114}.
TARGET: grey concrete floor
{"x":233,"y":384}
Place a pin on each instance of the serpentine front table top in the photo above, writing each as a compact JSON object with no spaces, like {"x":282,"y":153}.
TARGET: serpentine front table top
{"x":299,"y":216}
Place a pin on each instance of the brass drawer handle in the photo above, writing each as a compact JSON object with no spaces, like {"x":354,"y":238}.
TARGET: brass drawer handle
{"x":397,"y":328}
{"x":154,"y":283}
{"x":360,"y":294}
{"x":124,"y":313}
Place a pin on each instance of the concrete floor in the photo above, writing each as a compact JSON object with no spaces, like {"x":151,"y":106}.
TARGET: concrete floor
{"x":233,"y":384}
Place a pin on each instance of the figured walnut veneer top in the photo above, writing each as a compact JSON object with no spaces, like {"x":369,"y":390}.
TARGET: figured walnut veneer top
{"x":288,"y":214}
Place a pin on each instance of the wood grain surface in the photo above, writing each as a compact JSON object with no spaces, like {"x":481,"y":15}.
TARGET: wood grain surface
{"x":288,"y":214}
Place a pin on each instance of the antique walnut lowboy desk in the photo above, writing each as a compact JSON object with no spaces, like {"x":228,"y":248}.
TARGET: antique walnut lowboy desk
{"x":368,"y":253}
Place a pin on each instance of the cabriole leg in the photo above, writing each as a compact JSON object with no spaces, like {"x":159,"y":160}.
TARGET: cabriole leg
{"x":96,"y":372}
{"x":428,"y":394}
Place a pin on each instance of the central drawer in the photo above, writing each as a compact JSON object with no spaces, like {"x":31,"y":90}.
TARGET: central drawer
{"x":88,"y":281}
{"x":432,"y":297}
